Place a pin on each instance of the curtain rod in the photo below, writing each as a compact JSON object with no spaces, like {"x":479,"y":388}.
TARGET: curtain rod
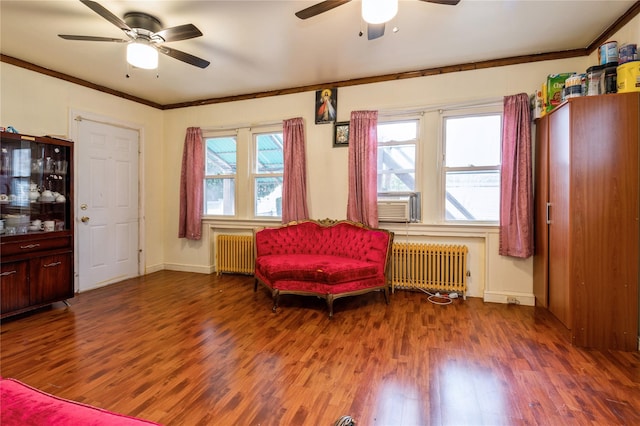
{"x":382,"y":112}
{"x":440,"y":107}
{"x":242,"y":126}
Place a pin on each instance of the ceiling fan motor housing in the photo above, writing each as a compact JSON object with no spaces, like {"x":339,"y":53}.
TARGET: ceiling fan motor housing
{"x":139,"y":20}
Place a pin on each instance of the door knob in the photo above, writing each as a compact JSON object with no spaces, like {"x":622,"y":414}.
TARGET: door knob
{"x":84,"y":219}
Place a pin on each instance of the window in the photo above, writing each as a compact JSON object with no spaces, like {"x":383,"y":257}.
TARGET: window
{"x":244,"y":170}
{"x":397,"y":142}
{"x":472,"y":145}
{"x":268,"y":173}
{"x":398,"y":200}
{"x":220,"y":176}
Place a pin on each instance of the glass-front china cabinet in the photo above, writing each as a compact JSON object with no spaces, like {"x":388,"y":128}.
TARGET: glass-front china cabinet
{"x":36,"y":222}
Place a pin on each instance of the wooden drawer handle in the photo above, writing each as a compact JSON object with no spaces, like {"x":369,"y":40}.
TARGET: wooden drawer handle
{"x":4,"y":274}
{"x":30,"y":246}
{"x":49,"y":265}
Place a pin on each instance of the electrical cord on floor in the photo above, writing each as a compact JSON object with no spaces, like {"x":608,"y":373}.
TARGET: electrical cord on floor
{"x":440,"y":299}
{"x":435,"y":298}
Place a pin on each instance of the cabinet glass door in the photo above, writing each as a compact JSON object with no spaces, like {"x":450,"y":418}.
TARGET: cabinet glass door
{"x":34,"y":186}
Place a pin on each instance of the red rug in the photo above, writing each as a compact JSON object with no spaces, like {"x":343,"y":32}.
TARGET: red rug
{"x":22,"y":405}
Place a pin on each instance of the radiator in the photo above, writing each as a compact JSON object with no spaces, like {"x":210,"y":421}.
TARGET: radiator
{"x":234,"y":254}
{"x":434,"y":267}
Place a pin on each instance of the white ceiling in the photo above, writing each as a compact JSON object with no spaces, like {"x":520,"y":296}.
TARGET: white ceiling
{"x":260,"y":45}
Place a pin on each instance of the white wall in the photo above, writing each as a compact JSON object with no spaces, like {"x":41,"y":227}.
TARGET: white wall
{"x":493,"y":277}
{"x":37,"y":104}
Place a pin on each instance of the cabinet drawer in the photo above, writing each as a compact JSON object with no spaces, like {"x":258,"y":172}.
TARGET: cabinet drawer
{"x":30,"y":246}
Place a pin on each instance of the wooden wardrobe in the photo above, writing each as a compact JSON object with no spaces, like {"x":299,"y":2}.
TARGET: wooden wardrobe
{"x":586,"y":218}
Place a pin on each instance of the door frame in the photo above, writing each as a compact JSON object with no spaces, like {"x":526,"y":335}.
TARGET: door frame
{"x":75,"y":116}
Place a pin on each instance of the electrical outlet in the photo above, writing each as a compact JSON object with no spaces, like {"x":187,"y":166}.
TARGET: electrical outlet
{"x":512,"y":300}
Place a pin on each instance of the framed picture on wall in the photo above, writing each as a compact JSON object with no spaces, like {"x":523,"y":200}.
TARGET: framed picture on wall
{"x":341,"y":134}
{"x":326,"y":105}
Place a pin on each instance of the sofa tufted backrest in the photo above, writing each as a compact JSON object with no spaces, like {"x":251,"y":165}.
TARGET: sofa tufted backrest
{"x":344,"y":239}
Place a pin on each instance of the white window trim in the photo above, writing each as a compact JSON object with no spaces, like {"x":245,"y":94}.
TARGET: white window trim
{"x":253,"y":170}
{"x":246,"y":160}
{"x":395,"y":118}
{"x":470,"y":111}
{"x":221,"y":134}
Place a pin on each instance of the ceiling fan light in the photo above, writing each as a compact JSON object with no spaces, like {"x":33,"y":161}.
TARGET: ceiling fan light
{"x":379,"y":11}
{"x":142,"y":55}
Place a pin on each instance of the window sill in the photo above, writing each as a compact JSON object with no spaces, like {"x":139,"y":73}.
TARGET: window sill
{"x":230,"y":222}
{"x":448,"y":229}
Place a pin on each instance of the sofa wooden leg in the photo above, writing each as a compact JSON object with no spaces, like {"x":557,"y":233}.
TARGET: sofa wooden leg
{"x":255,"y":285}
{"x":275,"y":294}
{"x":386,"y":295}
{"x":330,"y":304}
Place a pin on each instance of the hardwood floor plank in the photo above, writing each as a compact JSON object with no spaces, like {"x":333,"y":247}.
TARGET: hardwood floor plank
{"x":193,"y":349}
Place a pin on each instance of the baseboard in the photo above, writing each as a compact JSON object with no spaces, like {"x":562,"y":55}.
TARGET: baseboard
{"x":154,"y":268}
{"x":525,"y":299}
{"x":189,"y":268}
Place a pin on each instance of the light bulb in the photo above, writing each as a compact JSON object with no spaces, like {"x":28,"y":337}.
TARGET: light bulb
{"x":379,"y":11}
{"x":142,"y":55}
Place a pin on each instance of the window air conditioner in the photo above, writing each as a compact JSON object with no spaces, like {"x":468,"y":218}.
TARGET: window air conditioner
{"x":393,"y":211}
{"x":399,"y":207}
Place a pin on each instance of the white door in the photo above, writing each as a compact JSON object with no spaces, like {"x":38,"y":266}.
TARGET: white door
{"x":107,"y":204}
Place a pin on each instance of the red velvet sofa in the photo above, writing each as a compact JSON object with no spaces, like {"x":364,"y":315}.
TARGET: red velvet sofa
{"x":327,"y":259}
{"x":22,"y":405}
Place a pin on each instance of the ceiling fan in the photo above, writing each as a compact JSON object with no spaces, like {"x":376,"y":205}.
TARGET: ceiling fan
{"x":375,"y":12}
{"x":146,"y":37}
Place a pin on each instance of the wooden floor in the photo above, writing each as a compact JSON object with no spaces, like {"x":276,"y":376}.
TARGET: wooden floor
{"x":191,"y":349}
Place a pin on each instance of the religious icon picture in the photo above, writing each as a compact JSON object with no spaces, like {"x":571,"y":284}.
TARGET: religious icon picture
{"x":326,"y":105}
{"x":341,"y":134}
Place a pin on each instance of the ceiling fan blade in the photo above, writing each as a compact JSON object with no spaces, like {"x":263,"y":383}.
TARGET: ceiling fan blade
{"x":375,"y":31}
{"x":91,"y":38}
{"x":181,"y":32}
{"x":100,"y":10}
{"x":445,"y":2}
{"x":319,"y":8}
{"x":184,"y":57}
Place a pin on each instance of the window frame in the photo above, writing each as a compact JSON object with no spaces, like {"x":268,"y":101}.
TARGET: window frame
{"x":234,"y":177}
{"x":487,"y":110}
{"x":254,"y":174}
{"x":417,"y":142}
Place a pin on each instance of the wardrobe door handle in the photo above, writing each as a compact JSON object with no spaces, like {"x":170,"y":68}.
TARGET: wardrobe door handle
{"x":548,"y":213}
{"x":4,"y":274}
{"x":50,"y":265}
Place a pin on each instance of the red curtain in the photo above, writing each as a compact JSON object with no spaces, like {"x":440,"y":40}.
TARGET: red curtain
{"x":294,"y":186}
{"x":516,"y":187}
{"x":191,"y":182}
{"x":362,"y":204}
